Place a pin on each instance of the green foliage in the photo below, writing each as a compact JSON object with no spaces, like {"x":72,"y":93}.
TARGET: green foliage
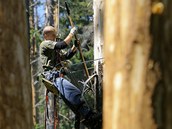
{"x":35,"y":35}
{"x":66,"y":117}
{"x":88,"y":55}
{"x":39,"y":126}
{"x":81,"y":13}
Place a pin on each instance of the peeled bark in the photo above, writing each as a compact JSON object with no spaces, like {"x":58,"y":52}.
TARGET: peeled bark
{"x":15,"y":86}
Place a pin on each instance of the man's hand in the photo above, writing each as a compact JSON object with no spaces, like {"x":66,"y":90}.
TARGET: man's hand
{"x":73,"y":31}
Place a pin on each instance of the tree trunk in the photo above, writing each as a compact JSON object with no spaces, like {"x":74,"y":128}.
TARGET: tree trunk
{"x":30,"y":7}
{"x":56,"y":15}
{"x":98,"y":31}
{"x":98,"y":49}
{"x":161,"y":53}
{"x":15,"y":86}
{"x":49,"y":12}
{"x":129,"y":80}
{"x":50,"y":5}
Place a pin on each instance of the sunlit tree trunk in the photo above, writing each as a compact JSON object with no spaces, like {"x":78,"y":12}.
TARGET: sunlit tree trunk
{"x":129,"y":81}
{"x":15,"y":86}
{"x":98,"y":31}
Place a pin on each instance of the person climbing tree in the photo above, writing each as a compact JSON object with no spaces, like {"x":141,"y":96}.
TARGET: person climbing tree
{"x":52,"y":63}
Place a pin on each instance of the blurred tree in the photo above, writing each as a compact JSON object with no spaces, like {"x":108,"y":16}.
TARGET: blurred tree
{"x":137,"y":87}
{"x":127,"y":91}
{"x":15,"y":83}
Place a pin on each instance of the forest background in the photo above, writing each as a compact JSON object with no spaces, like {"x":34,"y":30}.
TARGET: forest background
{"x":82,"y":15}
{"x":136,"y":72}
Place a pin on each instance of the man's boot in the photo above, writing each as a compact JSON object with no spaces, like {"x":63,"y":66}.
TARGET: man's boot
{"x":93,"y":120}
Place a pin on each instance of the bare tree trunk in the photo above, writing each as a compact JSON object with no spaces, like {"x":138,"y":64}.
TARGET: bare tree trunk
{"x":50,"y":12}
{"x":56,"y":14}
{"x":15,"y":86}
{"x":98,"y":31}
{"x":128,"y":79}
{"x":98,"y":49}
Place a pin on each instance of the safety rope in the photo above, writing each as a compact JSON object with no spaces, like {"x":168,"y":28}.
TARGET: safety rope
{"x":55,"y":113}
{"x":56,"y":120}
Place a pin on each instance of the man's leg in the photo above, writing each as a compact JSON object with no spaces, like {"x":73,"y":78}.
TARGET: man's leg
{"x":73,"y":95}
{"x":68,"y":90}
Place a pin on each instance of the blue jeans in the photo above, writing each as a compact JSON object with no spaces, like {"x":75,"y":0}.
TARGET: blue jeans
{"x":68,"y":90}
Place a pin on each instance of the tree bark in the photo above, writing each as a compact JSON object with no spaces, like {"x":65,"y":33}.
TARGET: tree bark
{"x":98,"y":7}
{"x":128,"y":80}
{"x":98,"y":32}
{"x":49,"y":12}
{"x":161,"y":26}
{"x":15,"y":86}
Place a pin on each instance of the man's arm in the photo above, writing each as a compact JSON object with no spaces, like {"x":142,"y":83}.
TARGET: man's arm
{"x":71,"y":52}
{"x":70,"y":35}
{"x":67,"y":40}
{"x":60,"y":45}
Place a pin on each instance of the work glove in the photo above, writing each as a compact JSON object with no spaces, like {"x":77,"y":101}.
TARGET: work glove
{"x":73,"y":31}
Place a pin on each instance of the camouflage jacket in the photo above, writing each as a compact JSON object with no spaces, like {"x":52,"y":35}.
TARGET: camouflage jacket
{"x":52,"y":53}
